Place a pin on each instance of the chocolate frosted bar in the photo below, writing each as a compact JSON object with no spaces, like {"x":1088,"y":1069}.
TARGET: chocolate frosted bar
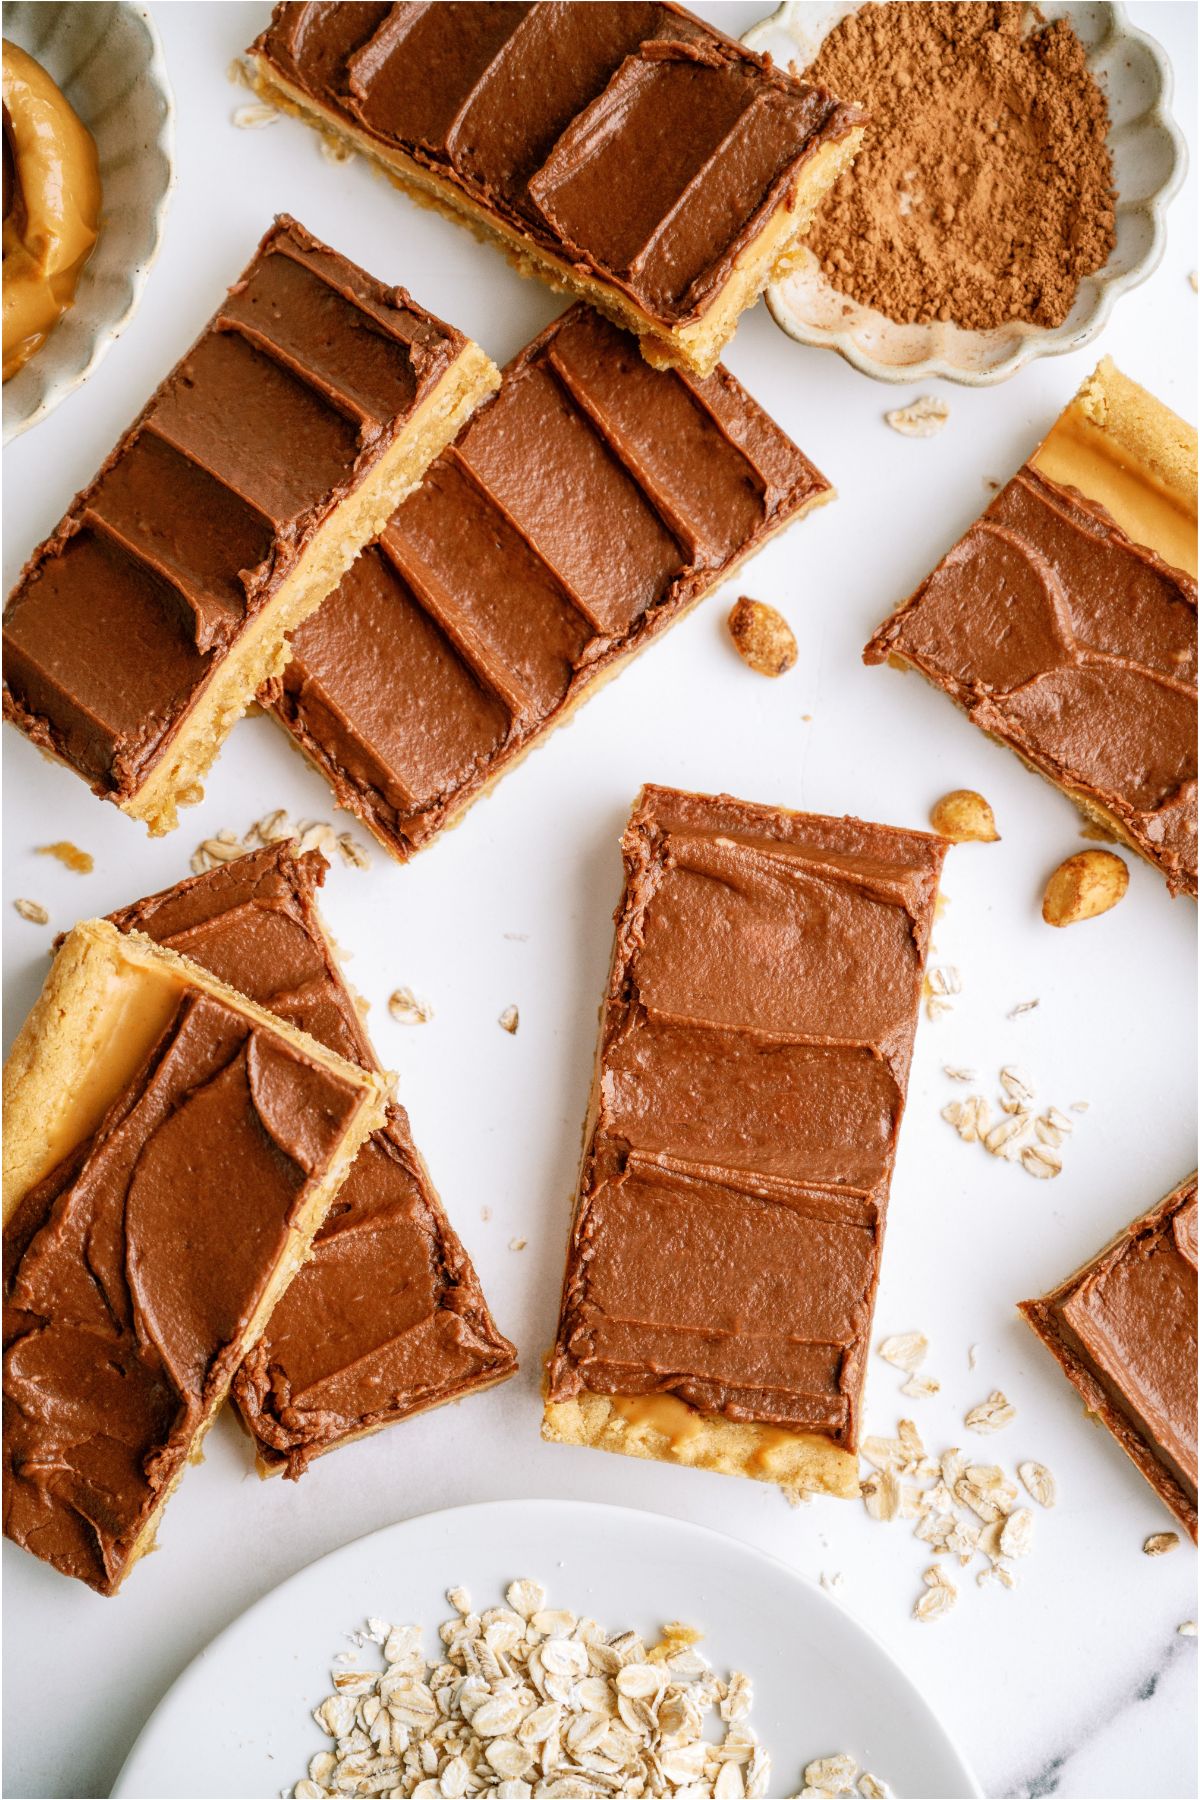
{"x":387,"y":1318}
{"x":581,"y":512}
{"x":627,"y":153}
{"x":169,"y":1151}
{"x":1064,"y":622}
{"x":753,"y":1062}
{"x":1123,"y":1329}
{"x":139,"y":632}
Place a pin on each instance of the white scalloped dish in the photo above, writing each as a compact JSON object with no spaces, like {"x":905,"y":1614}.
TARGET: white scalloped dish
{"x":1149,"y":159}
{"x":108,"y":62}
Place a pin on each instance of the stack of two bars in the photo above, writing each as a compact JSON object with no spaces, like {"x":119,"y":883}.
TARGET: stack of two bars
{"x":207,"y":1184}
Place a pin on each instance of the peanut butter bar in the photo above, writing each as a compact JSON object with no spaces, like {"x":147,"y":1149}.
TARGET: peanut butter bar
{"x":626,"y":153}
{"x":750,"y":1078}
{"x":1064,"y":622}
{"x":581,"y":512}
{"x":170,"y":1149}
{"x":1123,"y":1330}
{"x":142,"y":628}
{"x":387,"y":1318}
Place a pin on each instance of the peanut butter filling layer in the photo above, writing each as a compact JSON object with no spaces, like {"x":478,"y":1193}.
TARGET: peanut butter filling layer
{"x":1071,"y":640}
{"x":576,"y":516}
{"x":387,"y":1318}
{"x":631,"y":141}
{"x":1123,"y":1329}
{"x":753,"y":1063}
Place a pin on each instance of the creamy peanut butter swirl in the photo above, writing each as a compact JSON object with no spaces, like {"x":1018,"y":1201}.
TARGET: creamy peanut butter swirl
{"x":51,"y":205}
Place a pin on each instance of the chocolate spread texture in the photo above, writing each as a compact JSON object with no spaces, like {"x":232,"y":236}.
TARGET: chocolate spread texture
{"x":133,"y":1270}
{"x":1124,"y":1331}
{"x":286,"y":401}
{"x":755,"y":1047}
{"x":387,"y":1317}
{"x":1065,"y":639}
{"x":576,"y":515}
{"x":631,"y":141}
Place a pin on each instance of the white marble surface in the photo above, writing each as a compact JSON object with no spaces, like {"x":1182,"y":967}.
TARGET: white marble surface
{"x":1075,"y":1684}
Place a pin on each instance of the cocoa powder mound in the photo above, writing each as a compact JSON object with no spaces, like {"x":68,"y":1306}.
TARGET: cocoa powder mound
{"x":984,"y":189}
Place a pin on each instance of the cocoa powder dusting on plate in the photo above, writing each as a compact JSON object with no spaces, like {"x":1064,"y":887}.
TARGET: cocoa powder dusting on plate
{"x":984,"y":188}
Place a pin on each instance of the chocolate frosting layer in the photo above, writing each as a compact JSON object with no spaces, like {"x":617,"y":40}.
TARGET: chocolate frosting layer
{"x":387,"y":1317}
{"x":132,"y":1272}
{"x":1063,"y":638}
{"x":576,"y":516}
{"x":293,"y":391}
{"x":754,"y":1060}
{"x":1124,"y":1331}
{"x":633,"y":141}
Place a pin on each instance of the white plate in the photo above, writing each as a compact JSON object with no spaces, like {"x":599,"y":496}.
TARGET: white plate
{"x":237,"y":1721}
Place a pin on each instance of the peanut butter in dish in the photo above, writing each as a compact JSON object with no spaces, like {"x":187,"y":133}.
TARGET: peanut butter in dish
{"x":51,"y":205}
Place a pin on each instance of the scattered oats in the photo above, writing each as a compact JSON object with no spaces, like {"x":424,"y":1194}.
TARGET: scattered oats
{"x":872,"y":1788}
{"x":1160,"y":1542}
{"x":1023,"y":1007}
{"x":1192,"y":280}
{"x":351,"y":852}
{"x":239,"y":73}
{"x":406,"y":1009}
{"x":923,"y":418}
{"x":29,"y":909}
{"x":832,"y":1583}
{"x":1016,"y":1533}
{"x":509,"y":1019}
{"x":80,"y":862}
{"x":1052,"y":1126}
{"x":958,"y":1074}
{"x":315,"y":834}
{"x":272,"y":828}
{"x":940,"y":984}
{"x":1041,"y":1161}
{"x":1004,"y":1138}
{"x":992,"y":1414}
{"x":1187,"y":1629}
{"x":1017,"y":1085}
{"x":1080,"y":1106}
{"x":831,"y":1774}
{"x":907,"y":1350}
{"x":517,"y":1243}
{"x":224,"y":848}
{"x":254,"y":117}
{"x":939,"y":1596}
{"x":485,"y":1213}
{"x":921,"y":1387}
{"x":335,"y":150}
{"x":972,"y":1355}
{"x":1038,"y":1482}
{"x":881,"y":1494}
{"x":971,"y":1117}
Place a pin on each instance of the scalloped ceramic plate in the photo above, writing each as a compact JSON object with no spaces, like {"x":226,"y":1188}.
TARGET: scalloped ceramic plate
{"x":1149,"y":159}
{"x":108,"y":62}
{"x":238,"y":1720}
